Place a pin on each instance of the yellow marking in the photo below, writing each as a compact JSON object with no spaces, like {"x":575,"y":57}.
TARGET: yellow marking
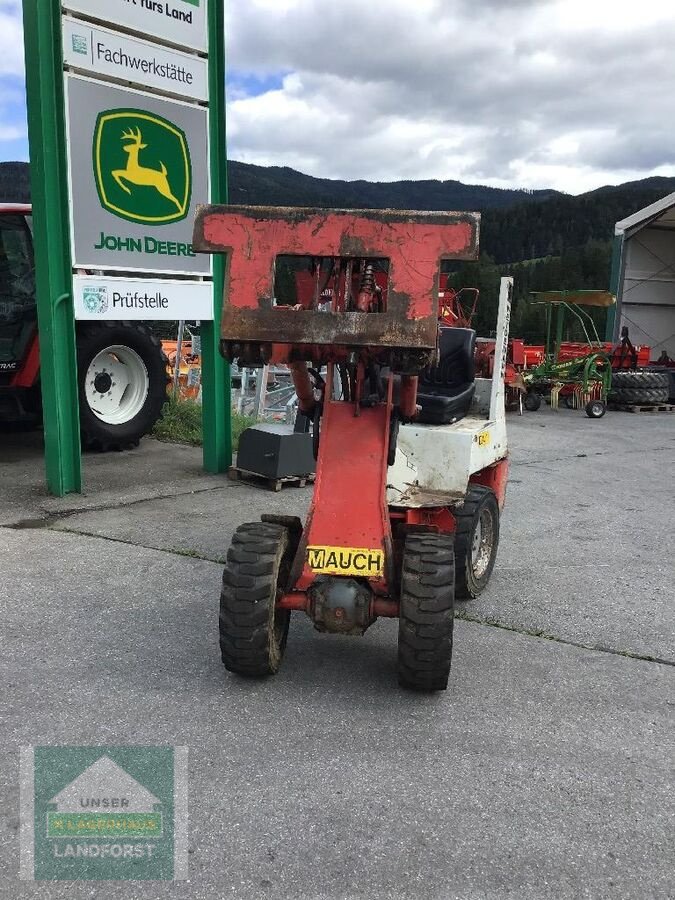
{"x":483,"y":438}
{"x":345,"y":561}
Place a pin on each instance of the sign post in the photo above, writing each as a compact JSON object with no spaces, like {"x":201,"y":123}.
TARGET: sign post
{"x":126,"y":109}
{"x":53,"y":273}
{"x":216,"y":404}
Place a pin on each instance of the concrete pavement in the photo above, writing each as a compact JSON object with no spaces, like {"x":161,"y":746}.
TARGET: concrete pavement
{"x":545,"y":771}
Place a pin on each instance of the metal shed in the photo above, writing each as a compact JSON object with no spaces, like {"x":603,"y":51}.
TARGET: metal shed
{"x":643,"y":276}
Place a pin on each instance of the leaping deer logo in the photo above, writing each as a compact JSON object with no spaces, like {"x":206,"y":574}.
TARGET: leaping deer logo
{"x":139,"y":175}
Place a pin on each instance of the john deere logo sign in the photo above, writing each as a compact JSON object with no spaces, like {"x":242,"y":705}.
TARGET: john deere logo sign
{"x":142,"y":167}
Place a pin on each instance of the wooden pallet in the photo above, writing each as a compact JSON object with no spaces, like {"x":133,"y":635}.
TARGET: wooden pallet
{"x":644,"y":408}
{"x":274,"y":484}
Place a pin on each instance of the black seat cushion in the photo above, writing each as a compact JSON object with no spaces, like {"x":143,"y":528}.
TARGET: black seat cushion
{"x":446,"y":390}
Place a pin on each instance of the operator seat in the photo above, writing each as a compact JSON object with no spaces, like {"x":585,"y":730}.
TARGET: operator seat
{"x":446,"y":390}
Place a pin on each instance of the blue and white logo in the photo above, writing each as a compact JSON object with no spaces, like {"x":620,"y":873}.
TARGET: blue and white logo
{"x":95,"y":299}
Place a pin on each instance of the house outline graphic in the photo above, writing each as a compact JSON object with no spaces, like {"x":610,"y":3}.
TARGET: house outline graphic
{"x":104,"y":779}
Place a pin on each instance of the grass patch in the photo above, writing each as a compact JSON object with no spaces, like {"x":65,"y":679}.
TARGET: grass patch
{"x":181,"y":423}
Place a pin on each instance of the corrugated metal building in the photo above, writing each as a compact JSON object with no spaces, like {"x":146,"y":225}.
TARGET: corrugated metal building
{"x":644,"y":276}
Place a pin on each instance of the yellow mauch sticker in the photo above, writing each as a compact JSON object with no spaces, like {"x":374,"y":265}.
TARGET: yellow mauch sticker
{"x":483,"y":438}
{"x":345,"y":561}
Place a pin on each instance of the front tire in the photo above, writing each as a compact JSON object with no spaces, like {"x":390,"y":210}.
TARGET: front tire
{"x":426,"y":615}
{"x":476,"y":541}
{"x":596,"y":409}
{"x":253,"y":632}
{"x":122,"y":380}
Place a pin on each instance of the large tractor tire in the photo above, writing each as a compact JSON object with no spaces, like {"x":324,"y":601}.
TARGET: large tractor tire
{"x":640,"y":388}
{"x":637,"y":381}
{"x":476,"y":541}
{"x":253,"y":631}
{"x":639,"y":396}
{"x":122,"y":379}
{"x":427,"y":612}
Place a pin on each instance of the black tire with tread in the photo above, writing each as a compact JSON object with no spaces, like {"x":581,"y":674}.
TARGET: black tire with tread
{"x":642,"y":380}
{"x":91,"y":340}
{"x":427,"y":612}
{"x":596,"y":409}
{"x":253,"y":632}
{"x":639,"y":396}
{"x":467,"y":586}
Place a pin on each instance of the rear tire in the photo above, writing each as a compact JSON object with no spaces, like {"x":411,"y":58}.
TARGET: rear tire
{"x":253,"y":632}
{"x":476,"y":541}
{"x":427,"y":612}
{"x":109,"y":421}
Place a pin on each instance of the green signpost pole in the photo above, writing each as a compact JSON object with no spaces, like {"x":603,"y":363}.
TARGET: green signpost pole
{"x":216,"y":406}
{"x":56,"y":323}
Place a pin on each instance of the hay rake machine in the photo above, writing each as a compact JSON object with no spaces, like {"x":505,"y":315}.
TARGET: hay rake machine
{"x":411,"y":446}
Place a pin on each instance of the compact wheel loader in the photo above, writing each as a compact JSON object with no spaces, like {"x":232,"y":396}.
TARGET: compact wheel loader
{"x":411,"y":447}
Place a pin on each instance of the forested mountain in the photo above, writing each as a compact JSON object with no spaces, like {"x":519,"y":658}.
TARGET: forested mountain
{"x":517,"y":225}
{"x":276,"y":186}
{"x":546,"y":239}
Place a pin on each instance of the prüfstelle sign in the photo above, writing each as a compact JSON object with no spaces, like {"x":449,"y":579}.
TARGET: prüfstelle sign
{"x":138,"y":167}
{"x":99,"y":297}
{"x":102,"y":52}
{"x":180,"y":22}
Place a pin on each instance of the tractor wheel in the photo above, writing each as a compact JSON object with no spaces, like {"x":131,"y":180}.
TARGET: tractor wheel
{"x":122,"y":381}
{"x":639,"y":396}
{"x":596,"y":409}
{"x":253,"y":631}
{"x":476,"y":541}
{"x":640,"y":381}
{"x":532,"y":401}
{"x":427,"y":612}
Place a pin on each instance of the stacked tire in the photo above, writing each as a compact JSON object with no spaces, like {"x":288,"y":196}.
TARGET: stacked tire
{"x":639,"y":388}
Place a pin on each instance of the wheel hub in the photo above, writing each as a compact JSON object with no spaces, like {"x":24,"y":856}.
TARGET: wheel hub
{"x":482,"y":543}
{"x":116,"y":384}
{"x":102,"y":382}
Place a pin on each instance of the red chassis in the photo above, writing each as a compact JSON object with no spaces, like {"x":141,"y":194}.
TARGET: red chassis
{"x":372,"y":320}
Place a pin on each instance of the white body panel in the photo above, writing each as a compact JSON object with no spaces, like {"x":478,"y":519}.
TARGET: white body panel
{"x":434,"y":462}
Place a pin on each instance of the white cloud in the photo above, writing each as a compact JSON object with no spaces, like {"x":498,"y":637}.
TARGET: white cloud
{"x":569,"y":94}
{"x":11,"y":38}
{"x":535,"y":93}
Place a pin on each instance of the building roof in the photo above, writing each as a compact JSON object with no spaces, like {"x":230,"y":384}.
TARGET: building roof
{"x":661,"y":213}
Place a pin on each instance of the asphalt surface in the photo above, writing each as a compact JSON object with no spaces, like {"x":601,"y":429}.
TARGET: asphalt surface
{"x":546,"y":769}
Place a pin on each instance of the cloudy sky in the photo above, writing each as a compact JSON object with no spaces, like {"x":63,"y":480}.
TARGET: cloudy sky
{"x":570,"y":94}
